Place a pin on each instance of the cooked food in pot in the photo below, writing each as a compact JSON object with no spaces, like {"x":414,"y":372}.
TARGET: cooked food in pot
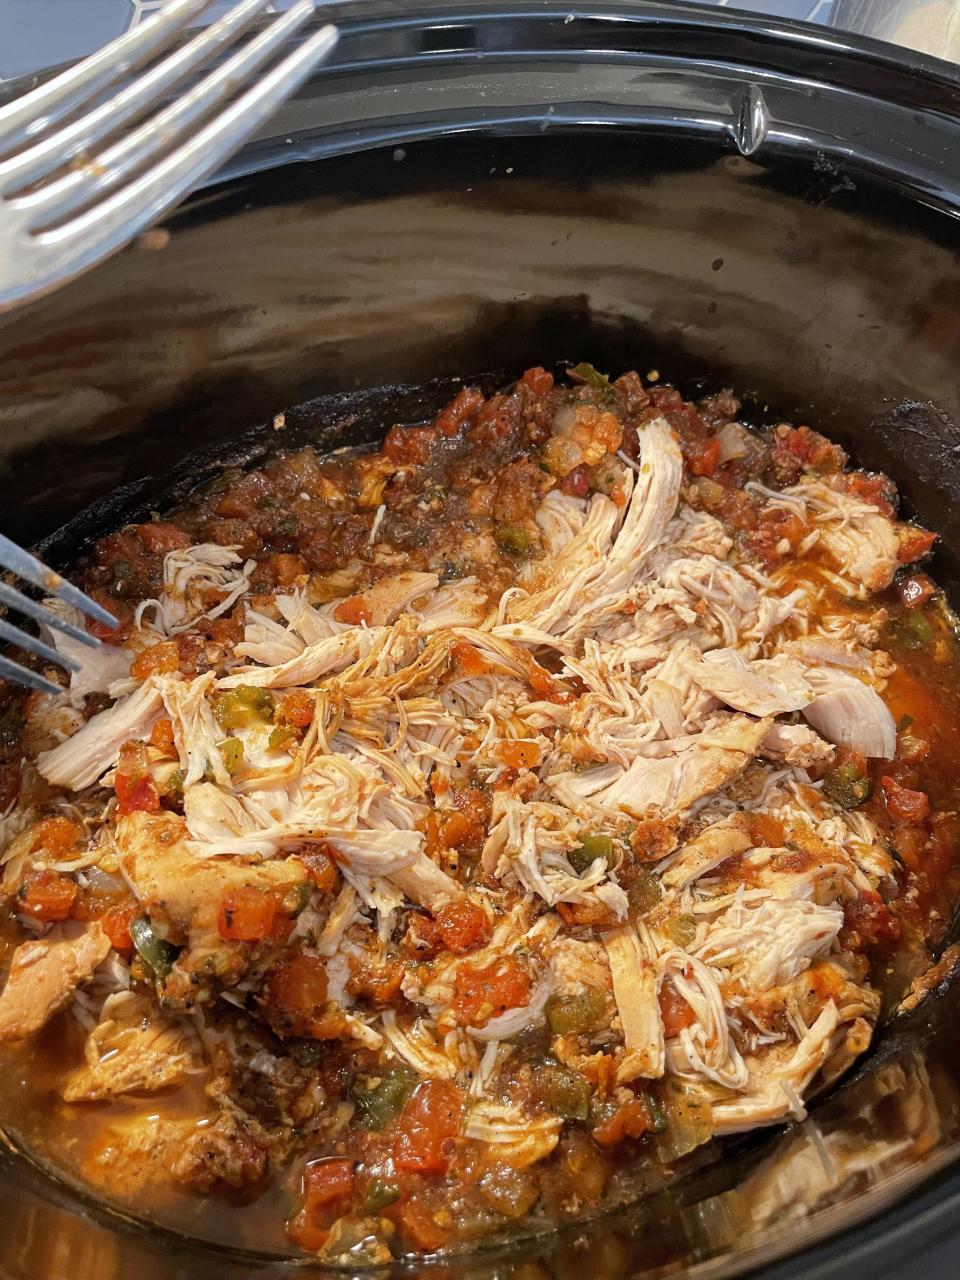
{"x":458,"y":836}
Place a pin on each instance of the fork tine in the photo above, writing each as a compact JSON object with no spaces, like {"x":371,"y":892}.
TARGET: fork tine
{"x":24,"y":565}
{"x":23,"y":604}
{"x":35,"y":111}
{"x":23,"y":675}
{"x":24,"y":641}
{"x":111,"y":223}
{"x":76,"y":137}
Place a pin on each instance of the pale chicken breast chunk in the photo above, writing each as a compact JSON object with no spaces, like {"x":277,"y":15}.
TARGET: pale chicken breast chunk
{"x":45,"y":973}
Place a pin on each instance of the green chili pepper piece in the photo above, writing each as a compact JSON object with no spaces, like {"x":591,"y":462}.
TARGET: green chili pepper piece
{"x":246,"y":705}
{"x":576,"y":1014}
{"x":565,"y":1092}
{"x":681,"y":929}
{"x":379,"y":1105}
{"x":379,"y":1194}
{"x":513,"y":540}
{"x":151,"y":948}
{"x":846,"y":786}
{"x":591,"y":376}
{"x":588,"y":850}
{"x":232,"y":751}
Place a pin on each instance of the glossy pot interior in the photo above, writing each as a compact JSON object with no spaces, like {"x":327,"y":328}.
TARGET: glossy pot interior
{"x":467,"y":192}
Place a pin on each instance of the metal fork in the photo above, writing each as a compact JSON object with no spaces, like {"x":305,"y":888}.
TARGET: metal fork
{"x":27,"y":566}
{"x":82,"y":173}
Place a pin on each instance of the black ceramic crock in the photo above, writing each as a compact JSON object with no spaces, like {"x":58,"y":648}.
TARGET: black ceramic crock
{"x":466,"y":190}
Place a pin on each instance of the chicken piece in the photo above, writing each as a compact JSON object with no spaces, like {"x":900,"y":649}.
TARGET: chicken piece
{"x":594,"y":569}
{"x":137,"y":1154}
{"x":191,"y":576}
{"x":388,"y":598}
{"x":132,"y":1050}
{"x":225,"y":1156}
{"x":462,"y":603}
{"x":635,"y":991}
{"x":44,"y":975}
{"x":767,"y":943}
{"x":187,"y":891}
{"x":766,"y":687}
{"x":195,"y":729}
{"x":711,"y":847}
{"x":98,"y":668}
{"x":83,"y":758}
{"x":861,"y":539}
{"x":320,"y":659}
{"x":767,"y":1101}
{"x":850,"y":714}
{"x":514,"y":1138}
{"x":668,"y":784}
{"x":796,"y":744}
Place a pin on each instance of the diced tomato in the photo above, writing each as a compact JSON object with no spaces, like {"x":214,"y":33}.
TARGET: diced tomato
{"x":116,"y":923}
{"x":296,"y":1000}
{"x":456,"y":829}
{"x":246,"y":914}
{"x":161,"y":737}
{"x":914,"y":543}
{"x":353,"y":610}
{"x":631,"y":1120}
{"x":519,"y":753}
{"x":903,"y":804}
{"x":423,"y":1227}
{"x":133,"y":784}
{"x":110,"y":635}
{"x":285,"y":568}
{"x":380,"y":984}
{"x":766,"y":831}
{"x":917,"y":590}
{"x":327,"y":1188}
{"x":592,"y":914}
{"x":538,"y":381}
{"x":869,"y":922}
{"x":482,"y":994}
{"x":47,"y":895}
{"x":777,"y":534}
{"x":323,"y":869}
{"x":295,"y":709}
{"x":702,"y":456}
{"x":410,"y":446}
{"x":870,"y":486}
{"x":812,"y":450}
{"x":674,"y":1010}
{"x":159,"y":659}
{"x":161,"y":537}
{"x":427,"y":1126}
{"x":56,"y":836}
{"x":463,"y":406}
{"x":462,"y":925}
{"x":576,"y":482}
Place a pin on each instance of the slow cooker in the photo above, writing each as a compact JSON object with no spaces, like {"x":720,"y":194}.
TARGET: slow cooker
{"x":465,"y":190}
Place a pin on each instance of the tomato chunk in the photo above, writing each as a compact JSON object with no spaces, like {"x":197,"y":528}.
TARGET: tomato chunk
{"x":56,"y":836}
{"x":462,"y":925}
{"x":538,"y":380}
{"x":519,"y":753}
{"x":161,"y":537}
{"x":631,"y":1120}
{"x":321,"y":866}
{"x":133,"y":784}
{"x":296,"y":1000}
{"x":902,"y":803}
{"x":353,"y":611}
{"x":674,"y":1011}
{"x":327,"y":1188}
{"x":116,"y":924}
{"x":47,"y":895}
{"x":482,"y":994}
{"x":428,"y":1124}
{"x":246,"y":914}
{"x":702,"y":456}
{"x":159,"y":659}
